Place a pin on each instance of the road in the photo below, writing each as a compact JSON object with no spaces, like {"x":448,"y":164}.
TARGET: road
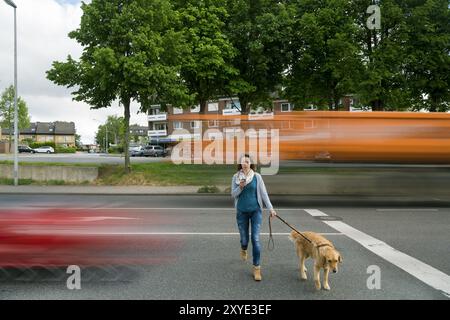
{"x":79,"y":157}
{"x":409,"y":245}
{"x":102,"y":158}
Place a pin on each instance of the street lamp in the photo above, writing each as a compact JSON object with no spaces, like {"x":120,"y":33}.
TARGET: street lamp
{"x":16,"y":129}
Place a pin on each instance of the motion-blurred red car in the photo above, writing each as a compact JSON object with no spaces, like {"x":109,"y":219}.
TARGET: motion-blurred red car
{"x":83,"y":237}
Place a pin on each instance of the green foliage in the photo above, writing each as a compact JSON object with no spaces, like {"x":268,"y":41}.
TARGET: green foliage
{"x":59,"y":149}
{"x":114,"y":128}
{"x":116,"y":150}
{"x":132,"y":51}
{"x":260,"y":31}
{"x":7,"y":110}
{"x":206,"y":69}
{"x":208,"y":189}
{"x":428,"y":55}
{"x":35,"y":145}
{"x":326,"y":60}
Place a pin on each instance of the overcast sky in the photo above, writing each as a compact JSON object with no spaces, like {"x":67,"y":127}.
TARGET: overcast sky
{"x":42,"y":38}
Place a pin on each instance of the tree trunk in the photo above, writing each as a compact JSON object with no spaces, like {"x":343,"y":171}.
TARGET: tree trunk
{"x":244,"y":104}
{"x":377,"y":105}
{"x":336,"y":102}
{"x":126,"y":105}
{"x":203,"y":105}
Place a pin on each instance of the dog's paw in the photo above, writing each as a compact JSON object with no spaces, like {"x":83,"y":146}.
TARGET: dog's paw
{"x":317,"y":285}
{"x":326,"y":287}
{"x":303,"y":276}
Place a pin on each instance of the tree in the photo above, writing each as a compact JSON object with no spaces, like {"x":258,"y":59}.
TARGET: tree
{"x":326,"y":60}
{"x":78,"y":143}
{"x":383,"y":85}
{"x":260,"y":31}
{"x":207,"y":69}
{"x":132,"y":51}
{"x":114,"y":128}
{"x":428,"y":55}
{"x":7,"y":112}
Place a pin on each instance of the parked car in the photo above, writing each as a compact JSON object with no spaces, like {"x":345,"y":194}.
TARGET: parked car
{"x":136,"y":151}
{"x":25,"y":149}
{"x":44,"y":149}
{"x":154,"y":151}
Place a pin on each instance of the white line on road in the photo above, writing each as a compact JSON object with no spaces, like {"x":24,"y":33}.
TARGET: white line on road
{"x":422,"y":271}
{"x":64,"y":206}
{"x":83,"y":233}
{"x":407,"y":210}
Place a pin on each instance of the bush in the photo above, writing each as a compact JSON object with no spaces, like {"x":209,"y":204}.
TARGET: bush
{"x":42,"y":144}
{"x":208,"y":189}
{"x":115,"y":149}
{"x":65,"y":150}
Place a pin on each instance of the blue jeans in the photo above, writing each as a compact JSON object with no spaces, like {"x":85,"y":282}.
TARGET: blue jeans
{"x":255,"y":219}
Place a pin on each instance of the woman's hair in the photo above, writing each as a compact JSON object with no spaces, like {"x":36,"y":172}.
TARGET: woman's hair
{"x":252,"y":164}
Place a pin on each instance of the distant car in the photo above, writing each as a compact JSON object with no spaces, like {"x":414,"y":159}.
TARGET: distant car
{"x":25,"y":149}
{"x":154,"y":151}
{"x":44,"y":149}
{"x":136,"y":151}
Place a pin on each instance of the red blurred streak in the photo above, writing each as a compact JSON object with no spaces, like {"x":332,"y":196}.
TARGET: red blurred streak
{"x":62,"y":237}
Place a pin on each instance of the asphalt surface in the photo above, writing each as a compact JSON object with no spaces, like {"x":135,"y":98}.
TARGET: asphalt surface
{"x":207,"y":264}
{"x":76,"y":158}
{"x":83,"y":157}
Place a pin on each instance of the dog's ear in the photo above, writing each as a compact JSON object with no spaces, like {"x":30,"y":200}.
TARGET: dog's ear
{"x":340,"y":259}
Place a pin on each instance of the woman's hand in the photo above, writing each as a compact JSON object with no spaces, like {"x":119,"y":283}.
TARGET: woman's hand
{"x":272,"y":213}
{"x":242,"y":184}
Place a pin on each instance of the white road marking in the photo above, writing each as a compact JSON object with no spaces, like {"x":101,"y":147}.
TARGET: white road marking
{"x":64,"y":206}
{"x":81,"y":232}
{"x":422,"y":271}
{"x":407,"y":210}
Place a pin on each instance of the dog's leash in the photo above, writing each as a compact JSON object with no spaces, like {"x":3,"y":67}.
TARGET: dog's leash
{"x":271,"y":237}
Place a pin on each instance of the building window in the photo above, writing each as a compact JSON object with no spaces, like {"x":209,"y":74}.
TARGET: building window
{"x":155,"y":111}
{"x":229,"y":105}
{"x":286,"y":107}
{"x":177,"y":110}
{"x":213,"y":123}
{"x":195,"y":108}
{"x":213,"y":106}
{"x":178,"y":125}
{"x":159,"y":126}
{"x":195,"y":124}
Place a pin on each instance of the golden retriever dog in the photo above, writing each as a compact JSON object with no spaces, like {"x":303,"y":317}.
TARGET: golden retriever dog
{"x":323,"y":252}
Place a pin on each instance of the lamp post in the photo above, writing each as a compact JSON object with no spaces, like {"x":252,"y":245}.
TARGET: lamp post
{"x":16,"y":129}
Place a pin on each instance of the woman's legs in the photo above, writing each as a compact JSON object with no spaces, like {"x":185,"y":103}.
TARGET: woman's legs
{"x":242,"y":219}
{"x":256,"y":221}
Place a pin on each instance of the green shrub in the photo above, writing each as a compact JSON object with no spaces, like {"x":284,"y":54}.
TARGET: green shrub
{"x":42,"y":144}
{"x":65,"y":150}
{"x":208,"y":189}
{"x":118,"y":149}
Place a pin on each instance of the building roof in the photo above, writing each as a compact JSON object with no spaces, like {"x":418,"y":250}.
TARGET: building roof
{"x":47,"y":128}
{"x":64,"y":127}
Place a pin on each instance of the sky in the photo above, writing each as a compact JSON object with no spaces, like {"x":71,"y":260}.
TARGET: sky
{"x":42,"y":28}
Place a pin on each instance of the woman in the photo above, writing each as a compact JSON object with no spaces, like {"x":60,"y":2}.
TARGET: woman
{"x":249,"y":193}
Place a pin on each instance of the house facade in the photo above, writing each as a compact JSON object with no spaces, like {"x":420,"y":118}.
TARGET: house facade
{"x":59,"y":132}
